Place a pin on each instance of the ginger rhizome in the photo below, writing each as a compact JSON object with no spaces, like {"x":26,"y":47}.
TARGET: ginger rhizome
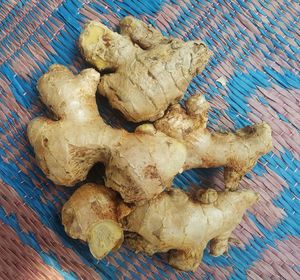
{"x":142,"y":164}
{"x":172,"y":222}
{"x":148,"y":71}
{"x":91,"y":215}
{"x":138,"y":165}
{"x":238,"y":152}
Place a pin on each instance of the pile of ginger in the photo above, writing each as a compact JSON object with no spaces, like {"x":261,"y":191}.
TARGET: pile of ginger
{"x":144,"y":75}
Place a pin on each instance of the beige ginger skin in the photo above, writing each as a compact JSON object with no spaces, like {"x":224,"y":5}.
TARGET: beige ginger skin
{"x":91,"y":214}
{"x":238,"y":152}
{"x":139,"y":165}
{"x":66,"y":148}
{"x":172,"y":222}
{"x":149,"y":71}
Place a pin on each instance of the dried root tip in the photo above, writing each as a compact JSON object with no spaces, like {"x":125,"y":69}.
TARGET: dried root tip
{"x":104,"y":237}
{"x":232,"y":178}
{"x":218,"y":246}
{"x":251,"y":197}
{"x":207,"y":196}
{"x":185,"y":260}
{"x":197,"y":105}
{"x":234,"y":240}
{"x":140,"y":33}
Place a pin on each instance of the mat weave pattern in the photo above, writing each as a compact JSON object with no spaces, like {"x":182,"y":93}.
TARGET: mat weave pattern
{"x":256,"y":55}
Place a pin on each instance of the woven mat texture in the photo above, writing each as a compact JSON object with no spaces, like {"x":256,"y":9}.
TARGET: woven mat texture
{"x":256,"y":50}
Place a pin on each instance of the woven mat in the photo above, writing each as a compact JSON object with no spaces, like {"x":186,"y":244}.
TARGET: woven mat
{"x":253,"y":76}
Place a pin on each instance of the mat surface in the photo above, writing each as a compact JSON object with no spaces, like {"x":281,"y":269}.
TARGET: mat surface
{"x":256,"y":55}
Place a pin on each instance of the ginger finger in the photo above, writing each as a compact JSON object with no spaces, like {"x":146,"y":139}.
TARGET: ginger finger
{"x":91,"y":214}
{"x":172,"y":222}
{"x":237,"y":152}
{"x":146,"y":36}
{"x":68,"y":147}
{"x":149,"y":71}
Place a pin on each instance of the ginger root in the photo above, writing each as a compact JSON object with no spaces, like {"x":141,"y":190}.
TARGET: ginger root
{"x":91,"y":214}
{"x":67,"y":148}
{"x":172,"y":222}
{"x":237,"y":152}
{"x":148,"y":71}
{"x":142,"y":164}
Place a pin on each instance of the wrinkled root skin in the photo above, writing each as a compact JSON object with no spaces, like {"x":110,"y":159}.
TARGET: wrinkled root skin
{"x":186,"y":260}
{"x":92,"y":212}
{"x":172,"y":222}
{"x":88,"y":205}
{"x":67,"y":148}
{"x":237,"y":152}
{"x":149,"y":71}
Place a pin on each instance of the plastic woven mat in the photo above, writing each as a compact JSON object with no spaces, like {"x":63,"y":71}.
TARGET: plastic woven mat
{"x":253,"y":76}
